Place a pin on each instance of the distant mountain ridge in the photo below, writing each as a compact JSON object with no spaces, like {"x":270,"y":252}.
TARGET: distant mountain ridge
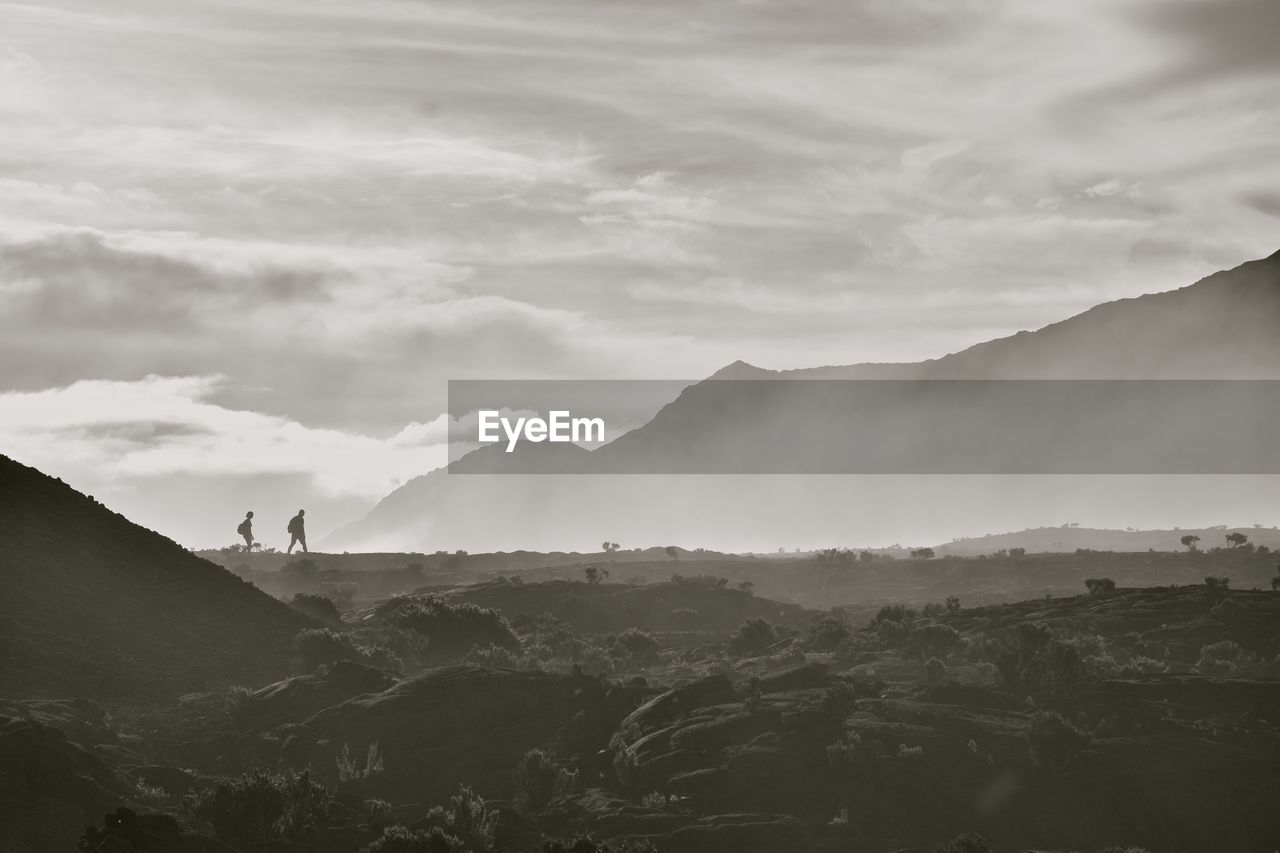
{"x":1225,"y":326}
{"x":94,"y":605}
{"x":1071,"y":538}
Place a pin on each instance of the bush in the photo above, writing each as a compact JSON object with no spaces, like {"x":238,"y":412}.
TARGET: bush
{"x":323,"y":647}
{"x":1035,"y":659}
{"x":1055,"y":740}
{"x":587,"y":844}
{"x":496,"y":657}
{"x":1217,"y":585}
{"x":966,"y":843}
{"x":825,"y":633}
{"x":852,"y":750}
{"x":637,"y":648}
{"x":893,"y":613}
{"x":935,"y":671}
{"x":1222,"y":658}
{"x":349,"y":768}
{"x":260,"y":811}
{"x":237,"y":699}
{"x":1097,"y":586}
{"x":397,"y":839}
{"x":470,"y":820}
{"x":539,"y":780}
{"x":318,"y":607}
{"x":840,"y":699}
{"x":453,"y":629}
{"x":752,"y":639}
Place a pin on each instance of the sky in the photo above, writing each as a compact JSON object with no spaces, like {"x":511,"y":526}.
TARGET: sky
{"x":244,"y":246}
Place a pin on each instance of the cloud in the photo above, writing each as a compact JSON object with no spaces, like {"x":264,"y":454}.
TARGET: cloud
{"x":1218,"y":36}
{"x":166,"y":426}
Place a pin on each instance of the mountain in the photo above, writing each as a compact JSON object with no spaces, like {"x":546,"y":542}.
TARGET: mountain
{"x":94,"y":605}
{"x":1225,"y":326}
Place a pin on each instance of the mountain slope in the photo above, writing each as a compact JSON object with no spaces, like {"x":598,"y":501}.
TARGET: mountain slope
{"x":94,"y":605}
{"x":1226,"y":326}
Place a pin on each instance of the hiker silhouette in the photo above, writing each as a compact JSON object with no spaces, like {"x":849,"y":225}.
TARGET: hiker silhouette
{"x":246,"y":530}
{"x":297,"y":532}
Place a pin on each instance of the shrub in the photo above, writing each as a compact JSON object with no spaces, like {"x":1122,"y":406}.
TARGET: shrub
{"x":496,"y":657}
{"x":637,"y":647}
{"x":453,"y":629}
{"x":752,"y":638}
{"x":588,"y":844}
{"x":1222,"y":658}
{"x":323,"y":646}
{"x":953,"y":604}
{"x":237,"y":699}
{"x":825,"y":633}
{"x":935,"y":671}
{"x":1097,"y":586}
{"x":349,"y":769}
{"x":932,"y":640}
{"x":850,"y":750}
{"x":910,"y":752}
{"x":966,"y":843}
{"x":1142,"y":665}
{"x":397,"y":839}
{"x":891,"y":623}
{"x":539,"y":780}
{"x":260,"y":811}
{"x":840,"y":699}
{"x":318,"y":607}
{"x":1033,"y":658}
{"x":1217,"y":585}
{"x":470,"y":819}
{"x":893,"y":613}
{"x":1055,"y":741}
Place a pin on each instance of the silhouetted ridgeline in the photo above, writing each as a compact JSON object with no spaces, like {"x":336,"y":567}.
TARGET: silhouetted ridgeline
{"x":95,"y":605}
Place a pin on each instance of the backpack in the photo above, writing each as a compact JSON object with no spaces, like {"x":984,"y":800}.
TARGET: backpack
{"x":243,"y":529}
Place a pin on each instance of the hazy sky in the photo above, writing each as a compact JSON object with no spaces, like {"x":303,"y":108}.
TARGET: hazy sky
{"x":244,"y":245}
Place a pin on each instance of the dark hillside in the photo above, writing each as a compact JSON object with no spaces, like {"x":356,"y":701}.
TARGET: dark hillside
{"x":94,"y":605}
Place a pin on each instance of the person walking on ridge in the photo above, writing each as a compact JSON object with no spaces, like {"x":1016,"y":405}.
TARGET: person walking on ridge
{"x":297,"y":532}
{"x":246,"y":530}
